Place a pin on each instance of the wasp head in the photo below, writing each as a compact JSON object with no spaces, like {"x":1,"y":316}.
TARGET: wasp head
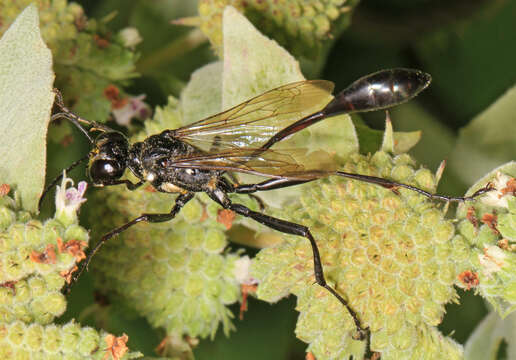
{"x":108,"y":159}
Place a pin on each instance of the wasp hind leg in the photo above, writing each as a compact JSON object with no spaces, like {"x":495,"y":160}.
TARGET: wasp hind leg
{"x":288,"y":227}
{"x":301,"y":230}
{"x":393,"y":185}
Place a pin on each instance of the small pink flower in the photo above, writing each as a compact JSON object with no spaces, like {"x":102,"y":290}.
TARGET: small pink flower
{"x":134,"y":108}
{"x":68,"y":201}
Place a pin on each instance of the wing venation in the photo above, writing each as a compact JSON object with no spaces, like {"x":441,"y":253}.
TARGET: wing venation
{"x":253,"y":122}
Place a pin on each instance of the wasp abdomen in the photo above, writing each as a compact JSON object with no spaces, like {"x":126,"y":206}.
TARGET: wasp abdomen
{"x":378,"y":91}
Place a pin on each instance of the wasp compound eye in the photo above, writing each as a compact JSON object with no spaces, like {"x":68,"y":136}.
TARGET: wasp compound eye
{"x":102,"y":171}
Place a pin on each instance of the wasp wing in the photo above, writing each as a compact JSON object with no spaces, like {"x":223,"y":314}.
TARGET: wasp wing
{"x":253,"y":122}
{"x":287,"y":163}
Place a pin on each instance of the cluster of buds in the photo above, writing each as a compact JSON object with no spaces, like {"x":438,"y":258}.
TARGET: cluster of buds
{"x":390,"y":252}
{"x":301,"y":27}
{"x":489,"y":228}
{"x":38,"y":258}
{"x":70,"y":341}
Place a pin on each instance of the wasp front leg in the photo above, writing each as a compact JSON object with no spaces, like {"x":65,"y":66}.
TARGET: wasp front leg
{"x":128,"y":184}
{"x":181,"y":201}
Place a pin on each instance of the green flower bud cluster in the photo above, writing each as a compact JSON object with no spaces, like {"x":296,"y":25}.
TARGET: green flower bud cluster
{"x":176,"y":273}
{"x":489,"y":228}
{"x":507,"y":221}
{"x":68,"y":342}
{"x":35,"y":260}
{"x":301,"y":27}
{"x":57,"y":18}
{"x":390,"y":252}
{"x":87,"y":58}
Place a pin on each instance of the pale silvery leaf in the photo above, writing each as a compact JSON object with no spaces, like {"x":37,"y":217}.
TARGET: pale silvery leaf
{"x":26,"y":98}
{"x":202,"y":97}
{"x":488,"y":141}
{"x":485,"y":341}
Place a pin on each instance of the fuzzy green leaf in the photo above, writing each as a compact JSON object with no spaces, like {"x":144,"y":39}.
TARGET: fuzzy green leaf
{"x":372,"y":140}
{"x":399,"y":142}
{"x":488,"y":141}
{"x":26,"y":99}
{"x":202,"y":96}
{"x":485,"y":341}
{"x":254,"y":64}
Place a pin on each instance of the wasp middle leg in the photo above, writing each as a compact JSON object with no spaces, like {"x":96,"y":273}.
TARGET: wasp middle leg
{"x":273,"y":184}
{"x":270,"y":184}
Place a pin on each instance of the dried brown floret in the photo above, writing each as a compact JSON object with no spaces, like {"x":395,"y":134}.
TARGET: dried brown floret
{"x":4,"y":189}
{"x":48,"y":256}
{"x":116,"y":346}
{"x":491,"y":221}
{"x":226,"y":217}
{"x":469,"y":279}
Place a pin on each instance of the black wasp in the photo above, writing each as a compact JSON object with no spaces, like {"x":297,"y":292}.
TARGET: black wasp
{"x":201,"y":157}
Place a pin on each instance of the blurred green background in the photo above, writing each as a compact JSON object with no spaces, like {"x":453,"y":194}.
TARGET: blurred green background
{"x":468,"y":46}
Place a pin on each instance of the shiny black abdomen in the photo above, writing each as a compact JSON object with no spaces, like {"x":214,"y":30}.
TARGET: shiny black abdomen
{"x":378,"y":91}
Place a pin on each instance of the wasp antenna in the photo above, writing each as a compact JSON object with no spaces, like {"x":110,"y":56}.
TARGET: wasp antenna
{"x":59,"y":98}
{"x":59,"y":178}
{"x":380,"y":90}
{"x":70,"y":117}
{"x":67,"y":114}
{"x":60,"y":103}
{"x":77,"y":120}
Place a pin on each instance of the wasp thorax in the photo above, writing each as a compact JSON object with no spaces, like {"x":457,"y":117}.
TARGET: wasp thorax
{"x":109,"y":160}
